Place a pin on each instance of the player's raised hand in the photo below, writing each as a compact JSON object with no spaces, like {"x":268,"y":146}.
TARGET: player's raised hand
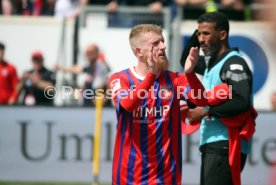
{"x":152,"y":62}
{"x":191,"y":60}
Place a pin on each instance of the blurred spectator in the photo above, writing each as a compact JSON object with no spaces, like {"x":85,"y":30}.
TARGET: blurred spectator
{"x":273,"y":101}
{"x":131,"y":19}
{"x":6,"y":7}
{"x":48,"y":7}
{"x":234,"y":9}
{"x":8,"y":80}
{"x":34,"y":7}
{"x":96,"y":72}
{"x":35,"y":81}
{"x":69,"y":8}
{"x":267,"y":13}
{"x":25,"y":7}
{"x":235,"y":4}
{"x":154,"y":5}
{"x":112,"y":5}
{"x":192,"y":9}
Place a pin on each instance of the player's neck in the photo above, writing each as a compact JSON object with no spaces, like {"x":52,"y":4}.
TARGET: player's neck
{"x":141,"y":69}
{"x":223,"y":49}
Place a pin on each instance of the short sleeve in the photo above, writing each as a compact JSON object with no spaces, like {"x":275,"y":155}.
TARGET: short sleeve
{"x":119,"y":86}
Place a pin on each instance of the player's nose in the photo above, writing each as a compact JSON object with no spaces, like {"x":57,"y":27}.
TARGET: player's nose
{"x":162,"y":46}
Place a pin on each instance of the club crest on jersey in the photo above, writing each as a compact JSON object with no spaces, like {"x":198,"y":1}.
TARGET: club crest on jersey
{"x":115,"y":85}
{"x":166,"y":92}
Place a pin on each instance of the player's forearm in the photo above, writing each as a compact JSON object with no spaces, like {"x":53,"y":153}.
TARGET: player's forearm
{"x":196,"y":93}
{"x":218,"y":95}
{"x":232,"y":107}
{"x":134,"y":98}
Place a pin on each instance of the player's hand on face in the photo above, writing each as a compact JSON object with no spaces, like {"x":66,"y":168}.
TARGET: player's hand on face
{"x":152,"y":62}
{"x":191,"y":60}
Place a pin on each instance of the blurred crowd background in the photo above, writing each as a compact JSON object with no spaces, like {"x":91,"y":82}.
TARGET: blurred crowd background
{"x":242,"y":10}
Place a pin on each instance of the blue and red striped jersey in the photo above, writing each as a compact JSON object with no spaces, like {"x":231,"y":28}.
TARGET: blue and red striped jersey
{"x":148,"y":140}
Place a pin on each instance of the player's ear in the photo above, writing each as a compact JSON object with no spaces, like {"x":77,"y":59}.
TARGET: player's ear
{"x":137,"y":52}
{"x":223,"y":35}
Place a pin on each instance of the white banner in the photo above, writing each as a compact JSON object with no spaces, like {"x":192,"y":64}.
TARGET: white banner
{"x":53,"y":144}
{"x":56,"y":144}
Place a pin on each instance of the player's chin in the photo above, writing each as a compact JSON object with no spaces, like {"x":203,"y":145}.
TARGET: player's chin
{"x":163,"y":63}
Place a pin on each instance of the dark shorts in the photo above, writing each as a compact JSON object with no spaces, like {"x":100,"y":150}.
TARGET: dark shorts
{"x":215,"y":169}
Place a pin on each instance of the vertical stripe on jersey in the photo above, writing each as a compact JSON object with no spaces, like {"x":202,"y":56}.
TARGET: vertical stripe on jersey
{"x":144,"y":147}
{"x":119,"y":146}
{"x":138,"y":160}
{"x":176,"y":140}
{"x":119,"y":96}
{"x":123,"y":131}
{"x":166,"y":136}
{"x":179,"y":138}
{"x":124,"y":147}
{"x":116,"y":154}
{"x":176,"y":145}
{"x":159,"y":138}
{"x":126,"y":152}
{"x":131,"y":81}
{"x":132,"y":156}
{"x":171,"y":131}
{"x":143,"y":174}
{"x":132,"y":153}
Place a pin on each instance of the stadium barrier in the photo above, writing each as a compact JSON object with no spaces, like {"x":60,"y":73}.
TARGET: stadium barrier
{"x":56,"y":145}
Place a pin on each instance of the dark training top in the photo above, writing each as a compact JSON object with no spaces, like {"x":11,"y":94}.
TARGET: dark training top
{"x":240,"y":80}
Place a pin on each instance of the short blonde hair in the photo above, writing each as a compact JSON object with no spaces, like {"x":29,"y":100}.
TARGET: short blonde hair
{"x":140,"y":30}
